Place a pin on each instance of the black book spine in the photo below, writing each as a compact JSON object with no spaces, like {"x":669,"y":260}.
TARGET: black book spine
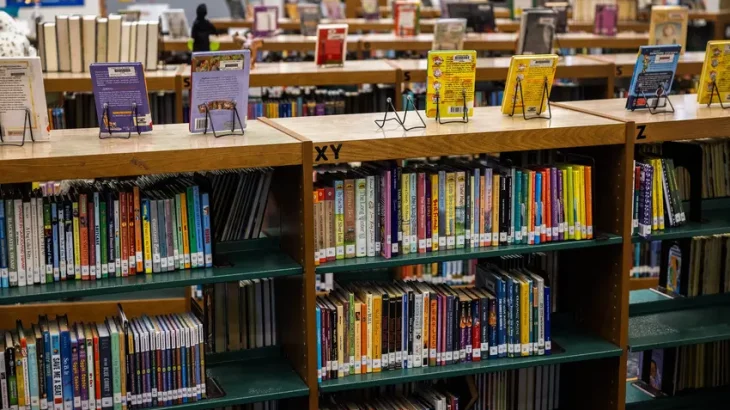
{"x":502,"y":210}
{"x":484,"y":323}
{"x":392,"y":345}
{"x":394,"y":209}
{"x":508,"y":217}
{"x":333,"y":353}
{"x":11,"y":377}
{"x":40,"y":355}
{"x":385,"y":318}
{"x":105,"y":366}
{"x":411,"y":326}
{"x":449,"y":329}
{"x":153,"y":368}
{"x":110,"y":232}
{"x":399,"y":333}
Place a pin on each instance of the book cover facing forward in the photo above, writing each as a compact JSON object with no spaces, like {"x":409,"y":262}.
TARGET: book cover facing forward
{"x":668,"y":26}
{"x":451,"y":77}
{"x":531,"y":72}
{"x":653,"y":76}
{"x":331,"y":48}
{"x":219,"y":85}
{"x":21,"y":85}
{"x":715,"y":71}
{"x":120,"y":86}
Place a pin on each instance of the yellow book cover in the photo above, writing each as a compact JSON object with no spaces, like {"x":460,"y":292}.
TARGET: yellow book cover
{"x":530,"y":72}
{"x":495,"y":210}
{"x":716,"y":69}
{"x":77,"y":241}
{"x":659,"y":172}
{"x":668,"y":26}
{"x":654,"y":198}
{"x":525,"y":322}
{"x":406,"y":213}
{"x":451,"y":80}
{"x":434,"y":212}
{"x":570,"y":204}
{"x":340,"y":338}
{"x":450,"y":210}
{"x":576,"y":202}
{"x":377,"y":331}
{"x":434,"y":324}
{"x":185,"y":231}
{"x":368,"y":298}
{"x":358,"y":336}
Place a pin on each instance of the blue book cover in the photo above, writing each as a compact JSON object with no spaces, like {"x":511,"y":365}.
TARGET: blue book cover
{"x":56,"y":366}
{"x":3,"y":249}
{"x":207,"y":235}
{"x":120,"y":86}
{"x":502,"y":319}
{"x":319,"y":344}
{"x":548,"y":310}
{"x":33,"y":374}
{"x":653,"y":76}
{"x":219,"y":85}
{"x":509,"y":317}
{"x":538,"y":206}
{"x":198,"y":224}
{"x":47,"y":362}
{"x":66,"y":373}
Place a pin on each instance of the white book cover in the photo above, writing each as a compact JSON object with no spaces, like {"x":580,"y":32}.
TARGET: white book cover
{"x":124,"y":44}
{"x":141,"y":53}
{"x":74,"y":34}
{"x":177,"y":23}
{"x":89,"y":38}
{"x":101,"y":42}
{"x":133,"y":42}
{"x":114,"y":38}
{"x":21,"y":84}
{"x":63,"y":41}
{"x":51,"y":49}
{"x":153,"y":31}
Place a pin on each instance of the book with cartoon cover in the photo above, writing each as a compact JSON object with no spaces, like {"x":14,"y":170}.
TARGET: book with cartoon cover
{"x":653,"y":76}
{"x":668,"y":26}
{"x":451,"y":77}
{"x":532,"y":72}
{"x":715,"y":70}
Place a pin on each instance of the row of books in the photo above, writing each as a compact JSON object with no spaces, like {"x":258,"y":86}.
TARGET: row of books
{"x":715,"y":169}
{"x":536,"y":388}
{"x":72,"y":43}
{"x":656,"y":200}
{"x":115,"y":364}
{"x":239,"y":315}
{"x":646,"y":257}
{"x":424,"y":397}
{"x":706,"y":272}
{"x":415,"y":324}
{"x":667,"y":372}
{"x":78,"y":110}
{"x":387,"y":210}
{"x":454,"y":273}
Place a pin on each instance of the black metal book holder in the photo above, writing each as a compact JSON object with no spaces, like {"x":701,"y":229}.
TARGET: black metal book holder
{"x":464,"y":111}
{"x":27,"y":125}
{"x":105,"y":116}
{"x":653,"y":109}
{"x":545,"y":97}
{"x":397,"y":119}
{"x":719,"y":98}
{"x":234,"y":116}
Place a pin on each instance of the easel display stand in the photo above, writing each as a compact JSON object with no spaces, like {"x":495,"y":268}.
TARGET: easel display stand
{"x":27,"y":125}
{"x":105,"y":117}
{"x":234,"y":116}
{"x":545,"y":97}
{"x":409,"y":103}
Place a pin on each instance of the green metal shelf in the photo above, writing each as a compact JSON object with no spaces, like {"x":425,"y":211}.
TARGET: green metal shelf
{"x":679,"y":328}
{"x":249,"y":381}
{"x":635,"y":395}
{"x":578,"y":345}
{"x":646,"y":301}
{"x":715,"y":221}
{"x":377,"y":262}
{"x":704,"y":399}
{"x":249,"y":264}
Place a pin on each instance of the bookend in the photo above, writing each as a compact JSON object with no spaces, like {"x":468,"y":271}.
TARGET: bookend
{"x":27,"y":125}
{"x":689,"y":156}
{"x":464,"y":111}
{"x":545,"y":97}
{"x":105,"y":116}
{"x":234,"y":116}
{"x":653,"y":110}
{"x":409,"y":103}
{"x":712,"y":94}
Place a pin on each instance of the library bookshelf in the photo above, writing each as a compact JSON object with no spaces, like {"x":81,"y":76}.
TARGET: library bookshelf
{"x":596,"y":324}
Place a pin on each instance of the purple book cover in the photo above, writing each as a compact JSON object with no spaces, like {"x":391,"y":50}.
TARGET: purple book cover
{"x":120,"y":86}
{"x":219,"y":85}
{"x":265,"y":20}
{"x":606,"y":19}
{"x":83,"y":369}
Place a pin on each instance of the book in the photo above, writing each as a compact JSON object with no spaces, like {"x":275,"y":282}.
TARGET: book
{"x":141,"y":42}
{"x":333,"y":9}
{"x":75,"y":44}
{"x":537,"y":31}
{"x":153,"y":29}
{"x":176,"y":22}
{"x":114,"y":38}
{"x":331,"y":46}
{"x":714,"y":70}
{"x":308,"y":18}
{"x":561,"y":8}
{"x":479,"y":15}
{"x":88,"y":34}
{"x":102,"y":26}
{"x":606,"y":20}
{"x":406,"y":15}
{"x":451,"y":83}
{"x":213,"y":106}
{"x":668,"y":26}
{"x":265,"y":20}
{"x":121,"y":86}
{"x":50,"y":48}
{"x":370,"y":9}
{"x":532,"y":73}
{"x":23,"y":78}
{"x":64,"y":43}
{"x":653,"y":75}
{"x":448,"y":34}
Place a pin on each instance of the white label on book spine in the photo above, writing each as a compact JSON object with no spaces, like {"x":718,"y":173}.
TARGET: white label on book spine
{"x":460,"y":240}
{"x":118,"y":398}
{"x":510,"y":348}
{"x":442,"y":241}
{"x":421,"y":244}
{"x":450,"y":241}
{"x":555,"y":231}
{"x":438,"y":357}
{"x":571,"y":230}
{"x":163,"y":263}
{"x":503,"y":236}
{"x":364,"y":361}
{"x":84,"y":405}
{"x":449,"y":356}
{"x":376,"y":363}
{"x":589,"y":230}
{"x":493,"y":351}
{"x":398,"y":356}
{"x":432,"y":354}
{"x":526,"y":349}
{"x":428,"y":243}
{"x":476,"y":353}
{"x":518,"y":236}
{"x":106,"y":402}
{"x":125,"y":266}
{"x":484,"y":347}
{"x":84,"y":270}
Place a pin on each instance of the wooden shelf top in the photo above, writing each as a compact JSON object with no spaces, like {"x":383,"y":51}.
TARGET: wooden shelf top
{"x":690,"y":120}
{"x":360,"y":139}
{"x":496,"y":68}
{"x":689,"y":63}
{"x":79,"y":153}
{"x":158,"y":80}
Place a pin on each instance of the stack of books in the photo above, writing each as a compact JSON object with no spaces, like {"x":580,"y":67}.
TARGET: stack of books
{"x":72,"y":43}
{"x":455,"y":273}
{"x":532,"y":388}
{"x":657,"y":204}
{"x":387,"y":210}
{"x":705,"y":272}
{"x":116,"y":364}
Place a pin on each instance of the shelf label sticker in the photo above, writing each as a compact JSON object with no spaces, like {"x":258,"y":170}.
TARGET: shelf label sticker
{"x":641,"y":134}
{"x":322,"y":152}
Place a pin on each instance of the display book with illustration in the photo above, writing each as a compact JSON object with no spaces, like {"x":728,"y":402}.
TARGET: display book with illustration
{"x":537,"y":31}
{"x":606,"y":20}
{"x":715,"y":73}
{"x":120,"y":94}
{"x":653,"y":76}
{"x":479,"y":15}
{"x":21,"y":84}
{"x":370,"y":9}
{"x":265,"y":20}
{"x":450,"y":83}
{"x":331,"y":46}
{"x":533,"y":74}
{"x":308,"y":18}
{"x":407,"y":15}
{"x":448,"y":34}
{"x":668,"y":26}
{"x":219,"y":87}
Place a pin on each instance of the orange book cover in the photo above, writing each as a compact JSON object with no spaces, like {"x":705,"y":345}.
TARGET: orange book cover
{"x":97,"y":367}
{"x":589,"y":202}
{"x":138,"y":231}
{"x":433,"y":317}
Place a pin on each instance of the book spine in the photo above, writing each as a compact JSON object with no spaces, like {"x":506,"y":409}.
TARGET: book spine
{"x":83,"y":370}
{"x":104,"y":239}
{"x":361,"y":212}
{"x":450,"y":210}
{"x":331,"y":244}
{"x":32,"y":369}
{"x":185,"y":232}
{"x":105,"y":368}
{"x":147,"y":227}
{"x":421,"y":212}
{"x":588,"y":198}
{"x":207,"y":231}
{"x":198,"y":226}
{"x":460,"y":210}
{"x":413,"y":220}
{"x":386,"y":227}
{"x":485,"y":232}
{"x":111,"y":248}
{"x":117,"y":238}
{"x":97,"y":235}
{"x":496,"y":214}
{"x":180,"y":251}
{"x":92,"y":248}
{"x":476,"y":331}
{"x":62,"y":245}
{"x":547,"y":314}
{"x":138,"y":247}
{"x":405,"y":213}
{"x":84,"y":236}
{"x":123,"y":231}
{"x":12,"y":263}
{"x":476,"y":202}
{"x":162,"y":234}
{"x":90,"y":374}
{"x":66,"y":230}
{"x":395,"y":233}
{"x":33,"y":240}
{"x":66,"y":370}
{"x":428,"y":208}
{"x":131,"y":251}
{"x":52,"y":240}
{"x":339,"y":219}
{"x":371,"y":205}
{"x":40,"y":241}
{"x":155,"y":237}
{"x":20,"y":242}
{"x":434,"y":185}
{"x":4,"y":385}
{"x":350,"y":219}
{"x":30,"y":256}
{"x":116,"y":369}
{"x":76,"y":375}
{"x":191,"y":228}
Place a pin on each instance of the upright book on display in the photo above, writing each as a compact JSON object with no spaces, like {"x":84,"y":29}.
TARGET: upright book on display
{"x":448,"y":34}
{"x":715,"y":77}
{"x":370,"y":9}
{"x":219,"y":86}
{"x":479,"y":15}
{"x":653,"y":76}
{"x":308,"y":19}
{"x":668,"y":26}
{"x":265,"y":20}
{"x":450,"y":83}
{"x":606,"y":20}
{"x":534,"y":74}
{"x":537,"y":31}
{"x":406,"y":15}
{"x":120,"y":94}
{"x":21,"y":85}
{"x":331,"y":47}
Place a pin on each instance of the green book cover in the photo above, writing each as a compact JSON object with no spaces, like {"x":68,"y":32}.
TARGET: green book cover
{"x":175,"y":250}
{"x":517,"y":206}
{"x":191,"y":229}
{"x":116,"y":365}
{"x":104,"y":238}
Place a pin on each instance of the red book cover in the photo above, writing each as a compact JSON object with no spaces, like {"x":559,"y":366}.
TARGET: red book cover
{"x":123,"y":245}
{"x":421,"y":197}
{"x":406,"y":16}
{"x":97,"y":367}
{"x":84,"y":236}
{"x":331,"y":47}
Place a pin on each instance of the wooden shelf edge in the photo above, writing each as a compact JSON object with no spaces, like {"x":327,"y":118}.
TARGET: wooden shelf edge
{"x":643,"y":283}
